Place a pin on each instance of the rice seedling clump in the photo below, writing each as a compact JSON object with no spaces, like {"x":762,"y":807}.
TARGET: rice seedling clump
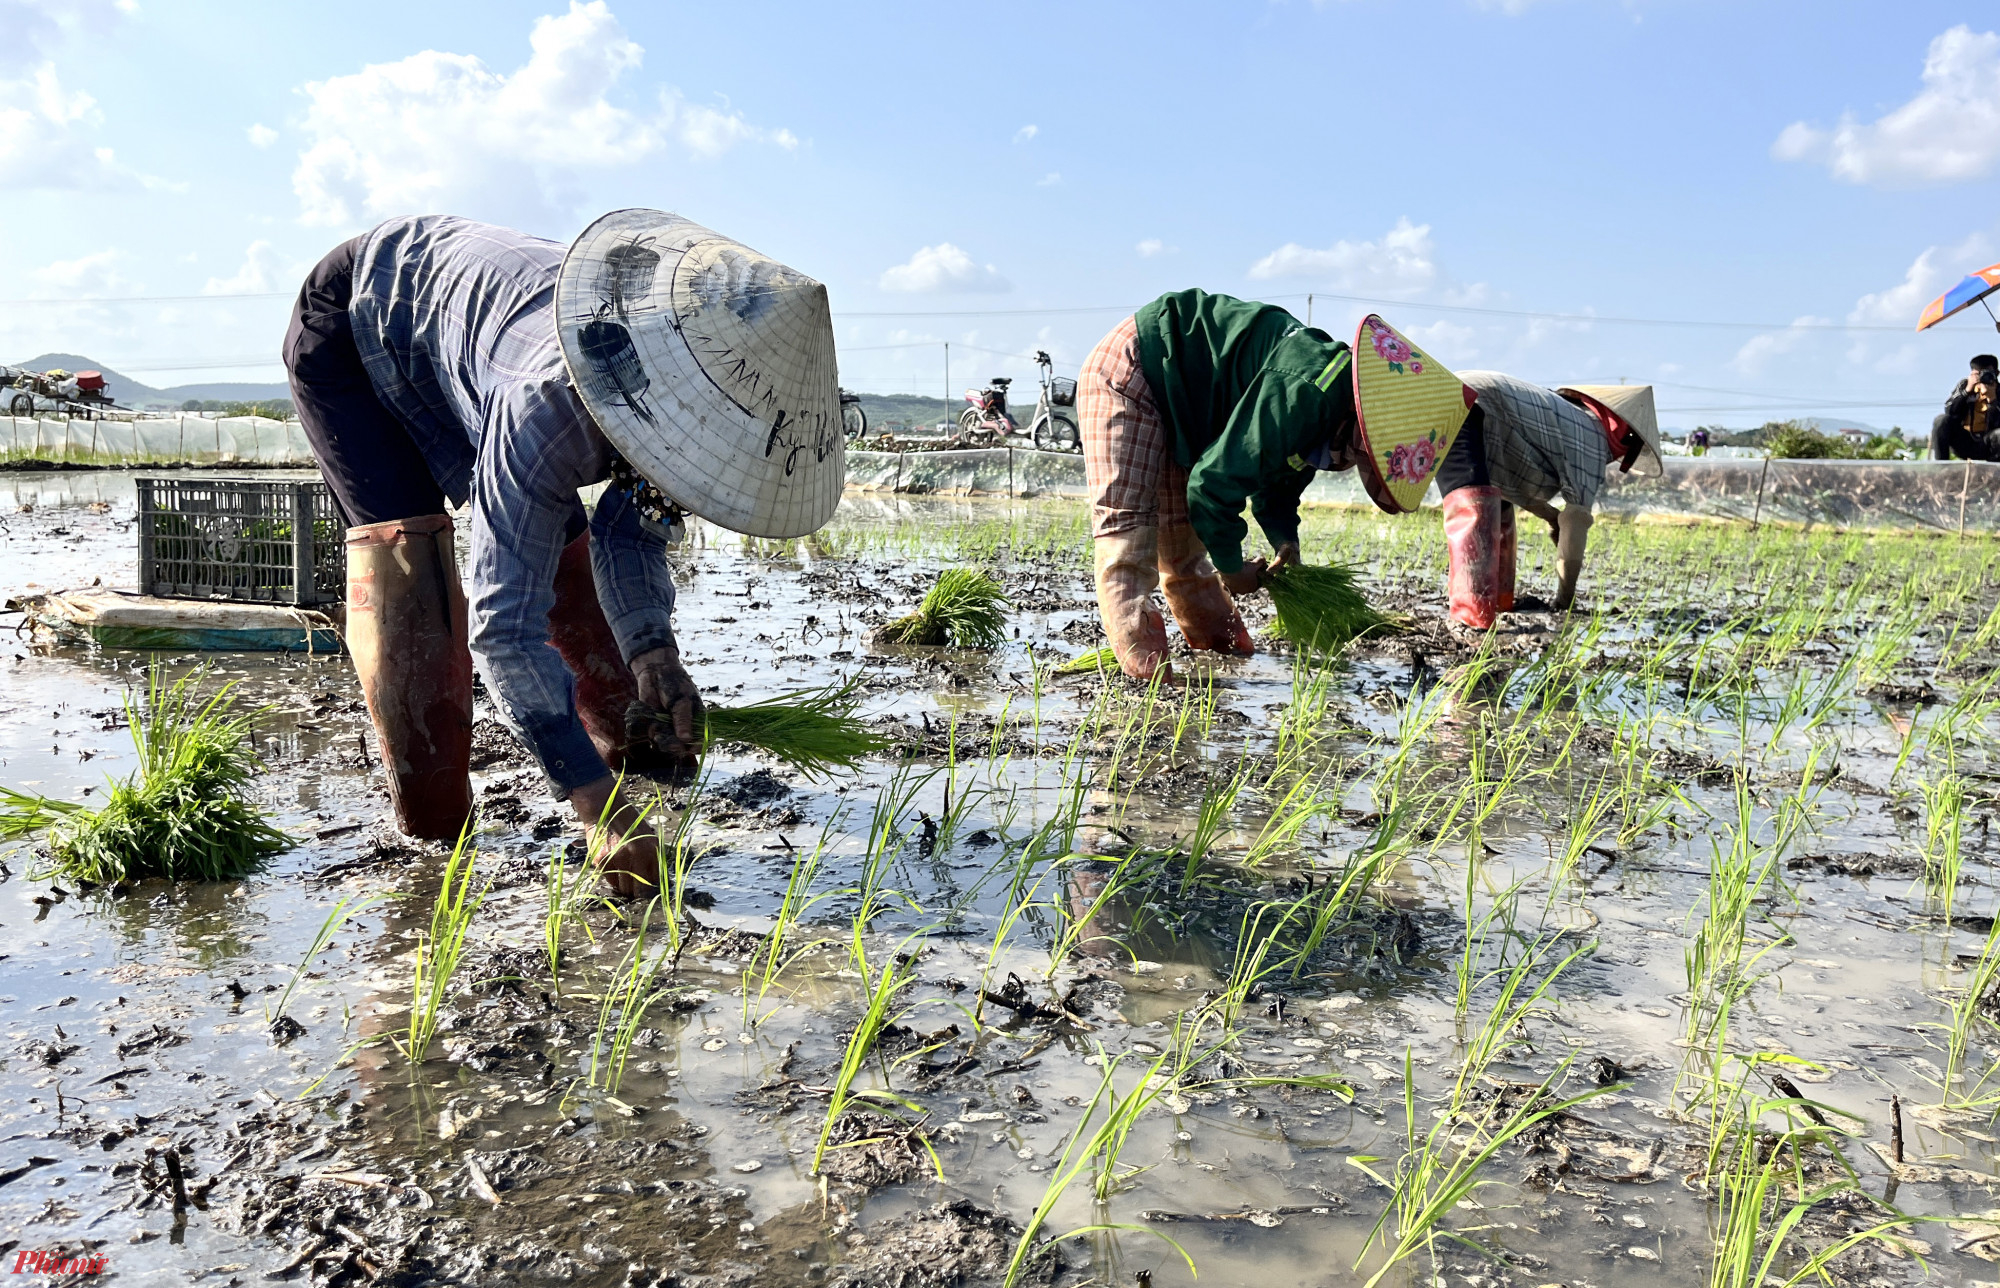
{"x":1319,"y":607}
{"x":180,"y":815}
{"x":813,"y":730}
{"x":966,"y":609}
{"x":1096,"y":660}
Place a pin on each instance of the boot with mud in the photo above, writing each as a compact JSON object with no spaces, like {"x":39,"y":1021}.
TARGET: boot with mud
{"x":1472,"y":533}
{"x":1128,"y":568}
{"x":1201,"y":604}
{"x":605,"y":687}
{"x":406,"y":631}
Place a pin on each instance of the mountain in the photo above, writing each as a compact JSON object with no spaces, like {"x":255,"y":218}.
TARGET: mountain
{"x":127,"y":392}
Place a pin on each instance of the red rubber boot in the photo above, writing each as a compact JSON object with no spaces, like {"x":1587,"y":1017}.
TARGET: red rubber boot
{"x":1509,"y":548}
{"x":577,"y":629}
{"x":1472,"y":535}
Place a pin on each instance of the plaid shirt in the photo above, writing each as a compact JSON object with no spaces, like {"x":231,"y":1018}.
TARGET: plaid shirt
{"x":1538,"y":444}
{"x":455,"y":322}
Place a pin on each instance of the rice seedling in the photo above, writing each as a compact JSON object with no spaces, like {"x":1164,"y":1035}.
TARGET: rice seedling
{"x":813,"y":730}
{"x":884,"y":985}
{"x":1098,"y":661}
{"x":1094,"y":1145}
{"x":562,"y":895}
{"x":622,"y":1007}
{"x":1320,"y":607}
{"x":1944,"y":814}
{"x":794,"y":906}
{"x":1971,"y":1013}
{"x":1441,"y":1165}
{"x":439,"y":951}
{"x":350,"y":906}
{"x":965,"y":609}
{"x":181,"y":814}
{"x":1218,"y":798}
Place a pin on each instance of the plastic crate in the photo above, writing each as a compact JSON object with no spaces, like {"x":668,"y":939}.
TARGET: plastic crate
{"x":273,"y":541}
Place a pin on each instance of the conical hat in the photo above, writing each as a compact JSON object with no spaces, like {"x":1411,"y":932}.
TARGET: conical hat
{"x":1407,"y":410}
{"x":710,"y":367}
{"x":1632,"y":404}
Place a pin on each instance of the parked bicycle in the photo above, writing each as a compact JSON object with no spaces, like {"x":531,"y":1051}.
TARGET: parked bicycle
{"x":989,"y":422}
{"x":853,"y":420}
{"x":1054,"y":427}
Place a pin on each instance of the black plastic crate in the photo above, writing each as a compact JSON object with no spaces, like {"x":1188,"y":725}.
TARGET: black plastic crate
{"x":274,"y":541}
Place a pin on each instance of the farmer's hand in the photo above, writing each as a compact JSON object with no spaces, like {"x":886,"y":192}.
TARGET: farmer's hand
{"x":1288,"y":556}
{"x":666,"y":687}
{"x":1572,"y":535}
{"x":1247,"y":579}
{"x":622,"y":840}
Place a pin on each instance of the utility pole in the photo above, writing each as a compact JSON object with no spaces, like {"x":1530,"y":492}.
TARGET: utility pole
{"x":947,"y":381}
{"x":1309,"y":310}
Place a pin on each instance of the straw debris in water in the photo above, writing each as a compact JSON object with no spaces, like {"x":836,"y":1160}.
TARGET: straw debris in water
{"x":180,"y":815}
{"x":966,"y":609}
{"x":1319,"y":607}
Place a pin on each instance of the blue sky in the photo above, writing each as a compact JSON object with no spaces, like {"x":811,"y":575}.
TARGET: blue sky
{"x":1799,"y":177}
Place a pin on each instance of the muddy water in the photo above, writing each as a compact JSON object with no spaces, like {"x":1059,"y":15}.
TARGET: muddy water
{"x":137,"y":1027}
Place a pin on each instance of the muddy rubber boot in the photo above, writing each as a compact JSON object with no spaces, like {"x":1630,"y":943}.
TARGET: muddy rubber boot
{"x":1128,"y":567}
{"x":1200,"y":602}
{"x":1510,"y":541}
{"x":604,"y":684}
{"x":406,"y":630}
{"x":1472,"y":538}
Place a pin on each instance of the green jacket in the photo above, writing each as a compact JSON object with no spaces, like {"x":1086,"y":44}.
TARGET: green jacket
{"x":1247,"y":393}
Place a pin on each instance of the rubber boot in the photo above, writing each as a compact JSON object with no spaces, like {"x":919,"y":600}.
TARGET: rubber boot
{"x":1200,"y":602}
{"x":604,"y":684}
{"x":406,"y":630}
{"x":1472,"y":537}
{"x":1128,"y":568}
{"x":1508,"y":549}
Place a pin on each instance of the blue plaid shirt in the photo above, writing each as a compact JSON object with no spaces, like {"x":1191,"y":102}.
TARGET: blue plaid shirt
{"x":455,"y":322}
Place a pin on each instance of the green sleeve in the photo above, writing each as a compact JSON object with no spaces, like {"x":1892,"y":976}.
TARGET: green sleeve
{"x":1252,"y":458}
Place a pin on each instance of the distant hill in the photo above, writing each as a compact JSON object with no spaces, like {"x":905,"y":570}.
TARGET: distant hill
{"x":127,"y":392}
{"x":901,"y":411}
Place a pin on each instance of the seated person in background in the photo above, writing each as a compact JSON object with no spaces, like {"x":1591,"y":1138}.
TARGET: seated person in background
{"x":1970,"y":414}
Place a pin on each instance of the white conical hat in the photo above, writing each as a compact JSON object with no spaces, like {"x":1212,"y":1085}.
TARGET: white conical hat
{"x":710,"y":367}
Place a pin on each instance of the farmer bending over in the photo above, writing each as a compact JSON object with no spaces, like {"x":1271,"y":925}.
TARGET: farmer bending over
{"x":438,"y":361}
{"x":1199,"y":403}
{"x":1525,"y":445}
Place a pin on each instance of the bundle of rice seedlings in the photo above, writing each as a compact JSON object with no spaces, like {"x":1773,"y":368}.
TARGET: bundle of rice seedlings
{"x":1097,"y":661}
{"x":966,"y":609}
{"x":179,"y":815}
{"x":1319,"y":607}
{"x":813,"y":730}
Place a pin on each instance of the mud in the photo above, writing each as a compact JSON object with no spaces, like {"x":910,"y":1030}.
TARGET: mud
{"x":158,"y":1112}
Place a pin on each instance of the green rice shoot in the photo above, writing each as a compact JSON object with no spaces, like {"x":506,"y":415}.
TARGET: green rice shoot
{"x":1098,"y":661}
{"x":813,"y":730}
{"x":965,"y":609}
{"x":180,"y":815}
{"x":1319,"y":607}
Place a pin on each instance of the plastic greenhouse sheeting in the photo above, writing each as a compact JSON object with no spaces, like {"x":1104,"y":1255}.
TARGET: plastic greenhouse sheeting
{"x":158,"y":440}
{"x":1938,"y":495}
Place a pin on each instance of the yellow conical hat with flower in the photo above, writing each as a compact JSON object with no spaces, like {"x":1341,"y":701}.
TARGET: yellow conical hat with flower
{"x":1407,"y":409}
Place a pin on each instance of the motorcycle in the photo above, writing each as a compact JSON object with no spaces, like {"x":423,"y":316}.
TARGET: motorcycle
{"x":987,"y":422}
{"x":853,"y":420}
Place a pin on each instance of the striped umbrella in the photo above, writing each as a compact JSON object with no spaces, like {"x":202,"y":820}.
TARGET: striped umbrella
{"x":1972,"y":290}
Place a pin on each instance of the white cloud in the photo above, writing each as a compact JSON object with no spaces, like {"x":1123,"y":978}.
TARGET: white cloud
{"x":1758,"y":351}
{"x":85,"y":277}
{"x":942,"y":268}
{"x":1049,"y":180}
{"x":1150,"y":247}
{"x":261,"y":136}
{"x":1400,"y":262}
{"x":42,"y":134}
{"x":1026,"y":132}
{"x":263,"y":270}
{"x":1949,"y":132}
{"x":440,"y":131}
{"x":1902,"y":302}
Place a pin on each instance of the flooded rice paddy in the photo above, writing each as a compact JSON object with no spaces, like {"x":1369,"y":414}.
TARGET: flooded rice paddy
{"x":1654,"y":945}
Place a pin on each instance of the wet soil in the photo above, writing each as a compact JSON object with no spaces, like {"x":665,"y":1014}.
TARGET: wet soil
{"x":156,"y":1109}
